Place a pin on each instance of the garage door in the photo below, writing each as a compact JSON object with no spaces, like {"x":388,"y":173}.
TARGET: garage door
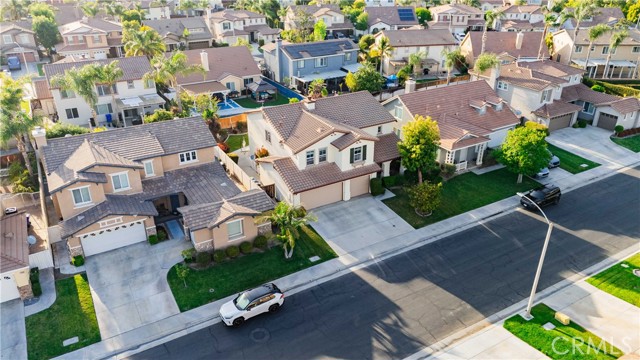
{"x":607,"y":121}
{"x":28,"y":55}
{"x":321,"y":196}
{"x":560,"y":122}
{"x":198,"y":45}
{"x":360,"y":186}
{"x":113,"y":238}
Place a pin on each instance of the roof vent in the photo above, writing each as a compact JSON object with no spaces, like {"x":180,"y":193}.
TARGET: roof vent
{"x":223,"y":184}
{"x":320,"y":130}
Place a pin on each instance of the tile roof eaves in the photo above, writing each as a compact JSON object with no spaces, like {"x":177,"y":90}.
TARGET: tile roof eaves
{"x":298,"y":149}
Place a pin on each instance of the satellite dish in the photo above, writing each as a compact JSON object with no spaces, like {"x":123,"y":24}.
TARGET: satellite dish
{"x":31,"y":240}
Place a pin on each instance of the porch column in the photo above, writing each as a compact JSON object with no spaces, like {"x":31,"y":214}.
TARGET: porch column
{"x":124,"y":121}
{"x":386,"y":167}
{"x":480,"y":153}
{"x":346,"y":190}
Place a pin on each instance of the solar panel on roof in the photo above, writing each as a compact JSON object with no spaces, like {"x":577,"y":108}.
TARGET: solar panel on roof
{"x":406,"y":15}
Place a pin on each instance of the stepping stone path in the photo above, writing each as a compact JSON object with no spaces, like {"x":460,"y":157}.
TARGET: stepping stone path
{"x":314,"y":258}
{"x":71,"y":341}
{"x":549,"y":326}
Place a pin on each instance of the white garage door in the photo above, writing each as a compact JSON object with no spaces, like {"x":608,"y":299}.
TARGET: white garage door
{"x":113,"y":238}
{"x":9,"y":288}
{"x":360,"y":186}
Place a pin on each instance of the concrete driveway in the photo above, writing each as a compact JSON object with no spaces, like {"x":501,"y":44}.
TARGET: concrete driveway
{"x":352,"y":225}
{"x":593,"y":143}
{"x":13,"y":333}
{"x":129,"y":286}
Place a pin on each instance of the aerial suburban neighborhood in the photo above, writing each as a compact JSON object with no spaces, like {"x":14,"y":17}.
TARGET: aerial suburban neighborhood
{"x":320,"y":179}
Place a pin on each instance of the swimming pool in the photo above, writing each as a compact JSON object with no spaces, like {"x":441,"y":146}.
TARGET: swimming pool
{"x":228,"y":105}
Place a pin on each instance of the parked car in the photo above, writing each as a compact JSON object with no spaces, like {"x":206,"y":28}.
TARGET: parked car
{"x":543,"y":173}
{"x":14,"y":63}
{"x":542,"y":196}
{"x":265,"y":298}
{"x":554,"y":162}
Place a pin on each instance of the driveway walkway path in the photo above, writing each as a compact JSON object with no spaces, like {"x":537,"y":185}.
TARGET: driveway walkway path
{"x":593,"y":143}
{"x":13,"y":339}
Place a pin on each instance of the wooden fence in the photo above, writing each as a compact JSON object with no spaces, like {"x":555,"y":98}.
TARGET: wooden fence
{"x":232,"y":121}
{"x":443,"y":82}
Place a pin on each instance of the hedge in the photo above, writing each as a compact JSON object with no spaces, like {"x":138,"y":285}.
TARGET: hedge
{"x":60,"y":130}
{"x":613,"y":89}
{"x":376,"y":187}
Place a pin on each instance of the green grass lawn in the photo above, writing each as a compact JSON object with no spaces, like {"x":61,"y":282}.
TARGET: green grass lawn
{"x":247,"y":271}
{"x":632,"y":143}
{"x":40,"y":71}
{"x":570,"y":161}
{"x":251,"y":104}
{"x":71,"y":315}
{"x":566,"y":342}
{"x":620,"y":281}
{"x":461,"y":194}
{"x":235,"y":141}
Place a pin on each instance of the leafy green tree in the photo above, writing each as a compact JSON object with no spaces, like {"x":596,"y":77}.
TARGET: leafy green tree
{"x":524,"y":151}
{"x":114,"y":9}
{"x":453,"y":59}
{"x":90,"y":8}
{"x":61,"y":130}
{"x":365,"y":43}
{"x":187,"y":6}
{"x":424,"y":15}
{"x":166,"y":70}
{"x":319,"y":30}
{"x":419,"y":147}
{"x":425,"y":197}
{"x":81,"y":81}
{"x":46,"y":31}
{"x":144,"y":42}
{"x":42,"y":9}
{"x":182,"y":271}
{"x":288,"y":219}
{"x":132,"y":15}
{"x":415,"y":61}
{"x":616,"y":39}
{"x":365,"y":78}
{"x":633,"y":14}
{"x":294,"y":100}
{"x":243,"y":42}
{"x":485,"y":62}
{"x":317,"y":89}
{"x":362,"y":22}
{"x":158,"y":115}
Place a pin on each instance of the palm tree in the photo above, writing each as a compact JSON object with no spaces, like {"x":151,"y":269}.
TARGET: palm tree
{"x":594,"y":33}
{"x":144,"y":42}
{"x":549,"y":19}
{"x":489,"y":18}
{"x":317,"y":89}
{"x":415,"y":61}
{"x":384,"y":49}
{"x":114,"y":9}
{"x":450,"y":61}
{"x":584,"y":9}
{"x":81,"y":81}
{"x":109,"y":75}
{"x":14,"y":9}
{"x":90,"y":9}
{"x":166,"y":70}
{"x":186,"y":6}
{"x":288,"y":219}
{"x":617,"y":39}
{"x":14,"y":122}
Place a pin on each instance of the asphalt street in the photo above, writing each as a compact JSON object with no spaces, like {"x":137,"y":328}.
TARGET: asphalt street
{"x":398,"y":306}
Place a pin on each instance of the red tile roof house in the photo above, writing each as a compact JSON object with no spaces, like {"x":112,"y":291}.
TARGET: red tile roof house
{"x":471,"y":118}
{"x":14,"y":258}
{"x":325,"y":151}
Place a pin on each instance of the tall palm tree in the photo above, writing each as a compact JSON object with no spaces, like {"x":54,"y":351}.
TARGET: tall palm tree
{"x":584,"y":9}
{"x":415,"y":61}
{"x":144,"y":42}
{"x":594,"y":33}
{"x":109,"y":75}
{"x":384,"y":49}
{"x":450,"y":61}
{"x":186,"y":6}
{"x":90,"y":9}
{"x":13,"y":9}
{"x":114,"y":9}
{"x":288,"y":219}
{"x":549,"y":19}
{"x":14,"y":122}
{"x":616,"y":39}
{"x":81,"y":81}
{"x":489,"y":18}
{"x":166,"y":70}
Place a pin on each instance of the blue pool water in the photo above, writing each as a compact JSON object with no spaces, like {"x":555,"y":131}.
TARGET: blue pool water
{"x":228,"y":105}
{"x":175,"y":229}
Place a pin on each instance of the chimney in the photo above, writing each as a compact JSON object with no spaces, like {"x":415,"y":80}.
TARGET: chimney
{"x":494,"y":74}
{"x":39,"y":135}
{"x":204,"y":59}
{"x":409,"y":86}
{"x":310,"y":104}
{"x":519,"y":37}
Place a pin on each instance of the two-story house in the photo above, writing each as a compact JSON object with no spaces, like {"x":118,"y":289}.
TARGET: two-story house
{"x":520,"y":18}
{"x":17,"y":39}
{"x":371,"y":3}
{"x":182,"y":33}
{"x":508,"y":46}
{"x":125,"y":103}
{"x":458,"y":18}
{"x":470,"y":116}
{"x":91,"y":38}
{"x":155,"y":10}
{"x":486,"y":5}
{"x":432,"y":43}
{"x":229,"y":25}
{"x":324,"y":151}
{"x":602,"y":15}
{"x":330,"y":14}
{"x":300,"y":64}
{"x":624,"y":61}
{"x":390,"y":18}
{"x":110,"y":188}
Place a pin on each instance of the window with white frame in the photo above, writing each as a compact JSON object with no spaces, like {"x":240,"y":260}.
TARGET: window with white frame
{"x":311,"y":157}
{"x":109,"y":222}
{"x":546,"y":95}
{"x":148,"y":84}
{"x":358,"y":154}
{"x":588,"y":108}
{"x":104,"y":109}
{"x":605,"y":50}
{"x":578,"y":49}
{"x":321,"y":62}
{"x":23,"y":39}
{"x":234,"y":229}
{"x":96,"y":39}
{"x":67,"y":94}
{"x":106,"y":90}
{"x":397,"y":112}
{"x":80,"y":39}
{"x":120,"y":181}
{"x":593,"y":48}
{"x":503,"y":85}
{"x":379,"y":129}
{"x":231,"y":86}
{"x":322,"y":155}
{"x":7,"y":39}
{"x":226,"y":26}
{"x":148,"y":168}
{"x":267,"y":136}
{"x":187,"y":157}
{"x":81,"y":196}
{"x":300,"y":64}
{"x":347,"y":56}
{"x":131,"y":84}
{"x":247,"y":81}
{"x":72,"y":113}
{"x":635,"y":49}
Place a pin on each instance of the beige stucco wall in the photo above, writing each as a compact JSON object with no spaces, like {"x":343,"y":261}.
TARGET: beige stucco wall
{"x":93,"y":44}
{"x":135,"y":183}
{"x":202,"y":238}
{"x":65,"y":198}
{"x":158,"y":169}
{"x":21,"y":277}
{"x":172,"y":162}
{"x":321,"y":196}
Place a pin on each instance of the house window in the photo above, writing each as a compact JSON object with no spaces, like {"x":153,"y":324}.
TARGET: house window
{"x":120,"y":181}
{"x":234,"y":229}
{"x":80,"y":39}
{"x":70,"y":39}
{"x":300,"y":64}
{"x":72,"y":113}
{"x":247,"y":81}
{"x":7,"y":39}
{"x":187,"y":157}
{"x":131,"y":84}
{"x":321,"y":62}
{"x":81,"y":196}
{"x":546,"y":95}
{"x":379,"y":129}
{"x":106,"y":90}
{"x":311,"y":157}
{"x":67,"y":94}
{"x":148,"y":168}
{"x":397,"y":112}
{"x":578,"y":49}
{"x":267,"y":136}
{"x":104,"y":109}
{"x":605,"y":50}
{"x":110,"y":222}
{"x":503,"y":85}
{"x":96,"y":39}
{"x":226,"y":26}
{"x":593,"y":48}
{"x":322,"y":155}
{"x":635,"y":49}
{"x":358,"y":154}
{"x":148,"y":84}
{"x":347,"y":56}
{"x":588,"y":108}
{"x":231,"y":86}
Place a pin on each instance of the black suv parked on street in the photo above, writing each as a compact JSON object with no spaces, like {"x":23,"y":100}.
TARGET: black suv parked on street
{"x":544,"y":195}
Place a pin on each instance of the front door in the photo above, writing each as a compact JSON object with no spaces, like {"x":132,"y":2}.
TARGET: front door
{"x":175,"y":202}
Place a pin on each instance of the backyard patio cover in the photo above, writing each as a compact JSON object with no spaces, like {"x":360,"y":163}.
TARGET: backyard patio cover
{"x":323,"y":75}
{"x":595,"y":62}
{"x":139,"y":101}
{"x":261,"y":86}
{"x":352,"y":67}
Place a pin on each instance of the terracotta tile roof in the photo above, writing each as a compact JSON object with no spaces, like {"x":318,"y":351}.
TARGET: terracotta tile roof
{"x":521,"y":9}
{"x":227,"y":14}
{"x":41,"y":88}
{"x":177,"y":26}
{"x":205,"y":87}
{"x":633,"y":38}
{"x":455,"y":9}
{"x":262,"y":29}
{"x":500,"y":42}
{"x":522,"y":25}
{"x":359,"y":109}
{"x":95,"y":24}
{"x":133,"y":68}
{"x":556,"y":108}
{"x":242,"y":65}
{"x":389,"y":15}
{"x":552,"y":68}
{"x":626,"y":105}
{"x":584,"y":93}
{"x":14,"y":249}
{"x":456,"y":133}
{"x":421,"y":37}
{"x":316,"y":176}
{"x":347,"y":139}
{"x":340,"y":26}
{"x":536,"y":75}
{"x":386,"y":148}
{"x":316,"y":10}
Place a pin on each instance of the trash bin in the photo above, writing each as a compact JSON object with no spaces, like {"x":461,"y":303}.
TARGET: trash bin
{"x":92,"y":121}
{"x":109,"y":120}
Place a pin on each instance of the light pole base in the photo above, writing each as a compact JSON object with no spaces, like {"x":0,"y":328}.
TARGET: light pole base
{"x":525,"y":316}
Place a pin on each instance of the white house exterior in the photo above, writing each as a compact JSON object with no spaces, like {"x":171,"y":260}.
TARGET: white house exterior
{"x":228,"y":26}
{"x":520,"y":18}
{"x":458,"y":18}
{"x":330,"y":14}
{"x":390,"y":18}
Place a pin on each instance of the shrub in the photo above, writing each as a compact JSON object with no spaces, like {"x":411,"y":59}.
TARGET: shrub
{"x":20,"y":179}
{"x":219,"y":256}
{"x":246,"y":247}
{"x":261,"y":42}
{"x":34,"y":276}
{"x":188,"y":254}
{"x":575,"y":125}
{"x":260,"y":242}
{"x":233,"y":157}
{"x":60,"y":130}
{"x":391,"y":181}
{"x":376,"y":187}
{"x":223,"y":134}
{"x":232,"y":251}
{"x":153,"y":239}
{"x":77,"y":260}
{"x":582,"y":123}
{"x":598,"y":88}
{"x":293,"y":100}
{"x":448,"y":169}
{"x":611,"y":88}
{"x":162,"y":234}
{"x":618,"y":129}
{"x":224,"y":147}
{"x":241,"y":126}
{"x":158,"y":115}
{"x":262,"y":152}
{"x":203,"y":258}
{"x":425,"y":197}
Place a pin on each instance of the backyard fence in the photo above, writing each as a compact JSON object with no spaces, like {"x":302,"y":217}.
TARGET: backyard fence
{"x":443,"y":82}
{"x":234,"y":170}
{"x":232,"y":121}
{"x":20,"y":201}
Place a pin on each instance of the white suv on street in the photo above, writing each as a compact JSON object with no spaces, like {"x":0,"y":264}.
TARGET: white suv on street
{"x":265,"y":298}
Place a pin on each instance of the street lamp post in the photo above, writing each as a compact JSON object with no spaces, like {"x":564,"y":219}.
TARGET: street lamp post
{"x":24,"y":57}
{"x":527,"y":314}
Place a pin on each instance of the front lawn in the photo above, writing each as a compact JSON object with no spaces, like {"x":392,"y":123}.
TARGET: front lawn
{"x":632,"y":142}
{"x":235,"y":141}
{"x":620,"y":281}
{"x":570,"y":161}
{"x":565,"y":342}
{"x":251,"y":104}
{"x":461,"y":194}
{"x":71,"y":315}
{"x":246,"y":272}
